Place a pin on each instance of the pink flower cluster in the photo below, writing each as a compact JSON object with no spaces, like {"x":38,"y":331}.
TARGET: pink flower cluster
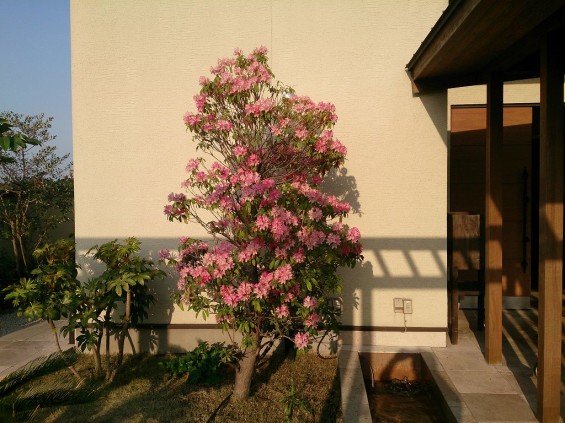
{"x":250,"y":250}
{"x":237,"y":79}
{"x":239,"y":150}
{"x":312,"y":321}
{"x":282,"y":221}
{"x":311,"y":238}
{"x":200,"y":101}
{"x":177,"y":197}
{"x":310,"y":302}
{"x":282,"y":311}
{"x":260,"y":106}
{"x":315,"y":196}
{"x":301,"y":340}
{"x":233,"y":296}
{"x":283,"y":274}
{"x":353,"y":235}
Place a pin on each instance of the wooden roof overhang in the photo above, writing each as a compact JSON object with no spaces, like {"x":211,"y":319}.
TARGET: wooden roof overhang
{"x":476,"y":38}
{"x":489,"y":42}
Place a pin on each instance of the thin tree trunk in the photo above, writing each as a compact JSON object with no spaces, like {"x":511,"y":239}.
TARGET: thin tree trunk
{"x":23,"y":254}
{"x":98,"y":355}
{"x":245,"y":371}
{"x":125,"y":329}
{"x":54,"y":331}
{"x":17,"y":257}
{"x":97,"y":362}
{"x":122,"y":337}
{"x":107,"y":357}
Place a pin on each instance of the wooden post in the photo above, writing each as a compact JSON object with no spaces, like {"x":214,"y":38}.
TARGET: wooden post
{"x":493,"y":222}
{"x":551,"y":229}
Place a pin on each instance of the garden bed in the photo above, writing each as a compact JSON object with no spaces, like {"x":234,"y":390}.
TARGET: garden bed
{"x":142,"y":392}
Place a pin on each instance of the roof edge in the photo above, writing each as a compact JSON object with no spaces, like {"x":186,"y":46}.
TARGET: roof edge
{"x":447,"y":13}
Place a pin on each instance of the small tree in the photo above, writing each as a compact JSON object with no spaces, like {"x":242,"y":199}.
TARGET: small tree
{"x":36,"y":189}
{"x":49,"y":293}
{"x":278,"y":239}
{"x":123,"y":282}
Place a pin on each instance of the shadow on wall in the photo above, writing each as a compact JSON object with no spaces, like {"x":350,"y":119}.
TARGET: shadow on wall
{"x":392,"y":266}
{"x":436,"y":109}
{"x":343,"y":185}
{"x":396,"y":268}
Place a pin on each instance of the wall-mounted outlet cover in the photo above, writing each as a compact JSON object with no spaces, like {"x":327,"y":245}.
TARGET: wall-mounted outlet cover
{"x":407,"y":306}
{"x":398,"y":305}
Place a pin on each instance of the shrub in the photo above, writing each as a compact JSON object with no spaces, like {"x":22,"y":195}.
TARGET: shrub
{"x":278,"y":239}
{"x":202,"y":364}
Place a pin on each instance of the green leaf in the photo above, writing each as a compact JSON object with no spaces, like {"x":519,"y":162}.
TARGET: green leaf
{"x":5,"y":142}
{"x":257,"y":305}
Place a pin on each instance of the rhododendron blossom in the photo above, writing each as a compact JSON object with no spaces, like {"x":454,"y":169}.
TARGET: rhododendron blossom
{"x":310,"y":302}
{"x":278,"y":239}
{"x":301,"y":340}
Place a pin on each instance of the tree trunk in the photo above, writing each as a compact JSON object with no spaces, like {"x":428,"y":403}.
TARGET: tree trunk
{"x":97,"y":348}
{"x":54,"y":331}
{"x":97,"y":362}
{"x":122,"y":337}
{"x":125,"y":329}
{"x":244,"y":373}
{"x":108,"y":322}
{"x":17,"y":257}
{"x":22,"y":254}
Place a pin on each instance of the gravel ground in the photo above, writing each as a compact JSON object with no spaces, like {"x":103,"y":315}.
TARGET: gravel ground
{"x":10,"y":322}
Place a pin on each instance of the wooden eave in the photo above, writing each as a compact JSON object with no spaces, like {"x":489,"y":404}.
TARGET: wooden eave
{"x":476,"y":38}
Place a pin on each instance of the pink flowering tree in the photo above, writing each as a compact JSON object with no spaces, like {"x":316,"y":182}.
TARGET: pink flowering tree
{"x":278,"y":239}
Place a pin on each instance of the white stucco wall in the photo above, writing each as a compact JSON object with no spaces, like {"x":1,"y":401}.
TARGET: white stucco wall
{"x":135,"y":68}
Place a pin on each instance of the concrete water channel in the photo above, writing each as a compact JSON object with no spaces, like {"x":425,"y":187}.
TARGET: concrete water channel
{"x":470,"y":390}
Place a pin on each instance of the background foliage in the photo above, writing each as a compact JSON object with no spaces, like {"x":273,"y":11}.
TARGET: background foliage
{"x":36,"y":189}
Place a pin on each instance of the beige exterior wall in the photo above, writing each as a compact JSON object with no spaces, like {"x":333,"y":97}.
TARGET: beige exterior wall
{"x":135,"y":68}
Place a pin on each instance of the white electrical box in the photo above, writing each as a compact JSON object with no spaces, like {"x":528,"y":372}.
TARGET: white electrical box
{"x":407,"y":306}
{"x":398,"y":305}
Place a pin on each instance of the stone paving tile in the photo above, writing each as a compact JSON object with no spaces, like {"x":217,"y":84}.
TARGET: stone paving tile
{"x":522,"y":383}
{"x":32,"y":345}
{"x":480,"y":382}
{"x":9,"y":357}
{"x":462,"y":414}
{"x":499,"y":408}
{"x":20,"y":347}
{"x":466,"y":360}
{"x":452,"y":397}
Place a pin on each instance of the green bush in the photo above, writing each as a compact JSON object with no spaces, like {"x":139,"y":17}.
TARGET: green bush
{"x":202,"y":364}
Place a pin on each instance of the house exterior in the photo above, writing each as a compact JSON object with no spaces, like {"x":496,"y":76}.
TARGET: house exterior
{"x":135,"y":68}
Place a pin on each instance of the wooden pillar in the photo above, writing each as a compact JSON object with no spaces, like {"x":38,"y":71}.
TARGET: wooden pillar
{"x":493,"y":222}
{"x":551,"y":229}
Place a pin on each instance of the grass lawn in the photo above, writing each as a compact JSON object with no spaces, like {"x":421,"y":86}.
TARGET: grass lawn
{"x":143,"y":392}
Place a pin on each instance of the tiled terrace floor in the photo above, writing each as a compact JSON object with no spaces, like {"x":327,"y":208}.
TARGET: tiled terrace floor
{"x":20,"y":347}
{"x":520,"y":348}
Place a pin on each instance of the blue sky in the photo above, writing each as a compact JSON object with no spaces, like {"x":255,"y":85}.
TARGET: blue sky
{"x":35,"y":70}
